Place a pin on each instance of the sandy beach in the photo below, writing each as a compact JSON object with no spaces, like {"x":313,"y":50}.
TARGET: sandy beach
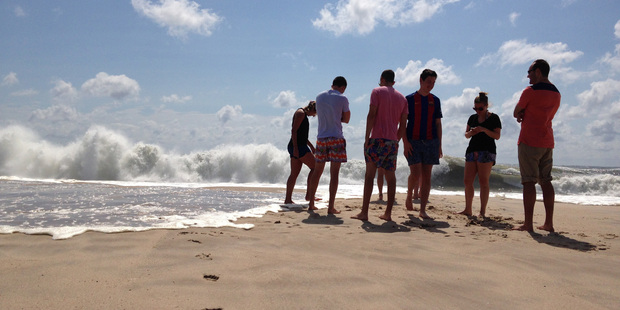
{"x":310,"y":260}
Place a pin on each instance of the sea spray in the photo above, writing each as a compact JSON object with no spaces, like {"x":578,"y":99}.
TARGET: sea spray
{"x":105,"y":155}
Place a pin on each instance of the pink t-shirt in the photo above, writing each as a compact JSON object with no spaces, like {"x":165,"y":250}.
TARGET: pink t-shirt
{"x":391,"y":104}
{"x":540,"y":103}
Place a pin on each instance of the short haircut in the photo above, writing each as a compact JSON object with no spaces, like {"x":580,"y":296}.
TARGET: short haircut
{"x":388,"y":75}
{"x":543,"y":66}
{"x":426,"y":73}
{"x":339,"y":81}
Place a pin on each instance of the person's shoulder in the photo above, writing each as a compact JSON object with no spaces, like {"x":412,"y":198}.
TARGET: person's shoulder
{"x":545,"y":86}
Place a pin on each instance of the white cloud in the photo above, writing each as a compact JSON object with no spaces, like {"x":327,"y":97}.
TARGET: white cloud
{"x":174,"y":98}
{"x":617,"y":30}
{"x":115,"y":86}
{"x":520,"y":52}
{"x":361,"y":16}
{"x":25,"y":93}
{"x":285,"y":99}
{"x":513,"y":18}
{"x":179,"y":16}
{"x":410,"y":75}
{"x":461,"y":104}
{"x":602,"y":98}
{"x":55,"y":113}
{"x":605,"y":130}
{"x":63,"y":92}
{"x":10,"y":79}
{"x":19,"y":11}
{"x":228,"y":112}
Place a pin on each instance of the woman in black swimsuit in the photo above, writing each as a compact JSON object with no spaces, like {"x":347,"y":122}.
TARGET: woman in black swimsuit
{"x":300,"y":149}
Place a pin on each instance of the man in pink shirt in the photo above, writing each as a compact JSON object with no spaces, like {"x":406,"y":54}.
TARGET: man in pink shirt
{"x":535,"y":111}
{"x":385,"y":126}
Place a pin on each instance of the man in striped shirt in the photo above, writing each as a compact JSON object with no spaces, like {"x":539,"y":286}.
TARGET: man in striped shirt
{"x":422,"y":147}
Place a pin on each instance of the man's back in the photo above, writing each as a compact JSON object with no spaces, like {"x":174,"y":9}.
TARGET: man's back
{"x":330,"y":105}
{"x":391,"y":104}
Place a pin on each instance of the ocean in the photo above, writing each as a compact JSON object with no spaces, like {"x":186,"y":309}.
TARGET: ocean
{"x":103,"y":183}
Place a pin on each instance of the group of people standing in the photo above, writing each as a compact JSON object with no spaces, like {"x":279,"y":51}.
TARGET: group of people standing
{"x":416,"y":119}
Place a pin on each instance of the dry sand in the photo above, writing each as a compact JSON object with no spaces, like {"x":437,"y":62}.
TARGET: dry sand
{"x":309,"y":260}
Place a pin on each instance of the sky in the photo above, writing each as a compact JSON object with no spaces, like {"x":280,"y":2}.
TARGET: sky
{"x":190,"y":76}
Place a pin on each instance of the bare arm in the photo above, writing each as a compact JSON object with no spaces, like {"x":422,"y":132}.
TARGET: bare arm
{"x":370,"y":122}
{"x":402,"y":126}
{"x":518,"y":113}
{"x":346,"y":116}
{"x":439,"y":135}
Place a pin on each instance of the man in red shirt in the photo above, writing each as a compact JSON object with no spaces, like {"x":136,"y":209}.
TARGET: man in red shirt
{"x":535,"y":111}
{"x":385,"y":126}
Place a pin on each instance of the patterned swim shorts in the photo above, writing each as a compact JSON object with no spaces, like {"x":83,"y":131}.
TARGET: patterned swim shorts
{"x":481,"y":157}
{"x":382,"y":152}
{"x":331,"y":149}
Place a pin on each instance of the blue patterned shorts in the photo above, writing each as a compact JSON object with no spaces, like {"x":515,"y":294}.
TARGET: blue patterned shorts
{"x":481,"y":157}
{"x":382,"y":152}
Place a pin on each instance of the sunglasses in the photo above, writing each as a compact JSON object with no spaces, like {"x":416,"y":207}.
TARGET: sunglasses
{"x":479,"y":109}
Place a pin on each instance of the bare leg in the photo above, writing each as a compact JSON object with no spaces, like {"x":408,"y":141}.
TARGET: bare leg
{"x":296,"y":165}
{"x":380,"y":183}
{"x":425,"y":189}
{"x":549,"y":201}
{"x":471,"y":170}
{"x":316,"y":176}
{"x":416,"y":189}
{"x":529,"y":200}
{"x":369,"y":178}
{"x":334,"y":171}
{"x":484,"y":173}
{"x":412,"y":182}
{"x":390,"y":177}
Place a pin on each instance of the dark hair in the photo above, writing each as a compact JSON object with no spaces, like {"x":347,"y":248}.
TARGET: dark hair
{"x":388,"y":75}
{"x":426,"y":73}
{"x":482,"y":98}
{"x":543,"y":66}
{"x":339,"y":81}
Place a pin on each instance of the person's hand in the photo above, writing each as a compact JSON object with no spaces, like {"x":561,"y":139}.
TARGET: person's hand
{"x":408,"y":148}
{"x":520,"y":117}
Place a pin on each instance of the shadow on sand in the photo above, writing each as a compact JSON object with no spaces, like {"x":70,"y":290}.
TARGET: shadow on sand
{"x":559,"y":240}
{"x":431,"y":225}
{"x":329,"y":219}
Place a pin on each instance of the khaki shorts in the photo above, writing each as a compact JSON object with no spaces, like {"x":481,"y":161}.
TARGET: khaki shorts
{"x":535,"y":164}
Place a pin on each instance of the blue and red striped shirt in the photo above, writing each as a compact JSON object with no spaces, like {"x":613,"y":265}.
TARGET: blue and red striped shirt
{"x":423,"y":111}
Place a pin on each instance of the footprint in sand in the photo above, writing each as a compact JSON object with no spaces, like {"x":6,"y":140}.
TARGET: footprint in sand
{"x":211,"y":277}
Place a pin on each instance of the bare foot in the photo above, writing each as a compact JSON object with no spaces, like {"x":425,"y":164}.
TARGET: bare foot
{"x":465,"y":212}
{"x":544,"y":227}
{"x":409,"y":205}
{"x":380,"y":196}
{"x":524,"y":228}
{"x":333,"y":211}
{"x":360,"y":217}
{"x":288,"y":202}
{"x":425,"y":216}
{"x":387,"y":218}
{"x":312,"y":208}
{"x":481,"y":215}
{"x":315,"y":199}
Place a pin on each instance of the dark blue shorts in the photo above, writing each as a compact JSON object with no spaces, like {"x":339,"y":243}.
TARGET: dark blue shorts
{"x":303,"y":149}
{"x":481,"y":157}
{"x":424,"y":151}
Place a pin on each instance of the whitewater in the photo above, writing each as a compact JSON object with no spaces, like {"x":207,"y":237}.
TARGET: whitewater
{"x":102,"y":182}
